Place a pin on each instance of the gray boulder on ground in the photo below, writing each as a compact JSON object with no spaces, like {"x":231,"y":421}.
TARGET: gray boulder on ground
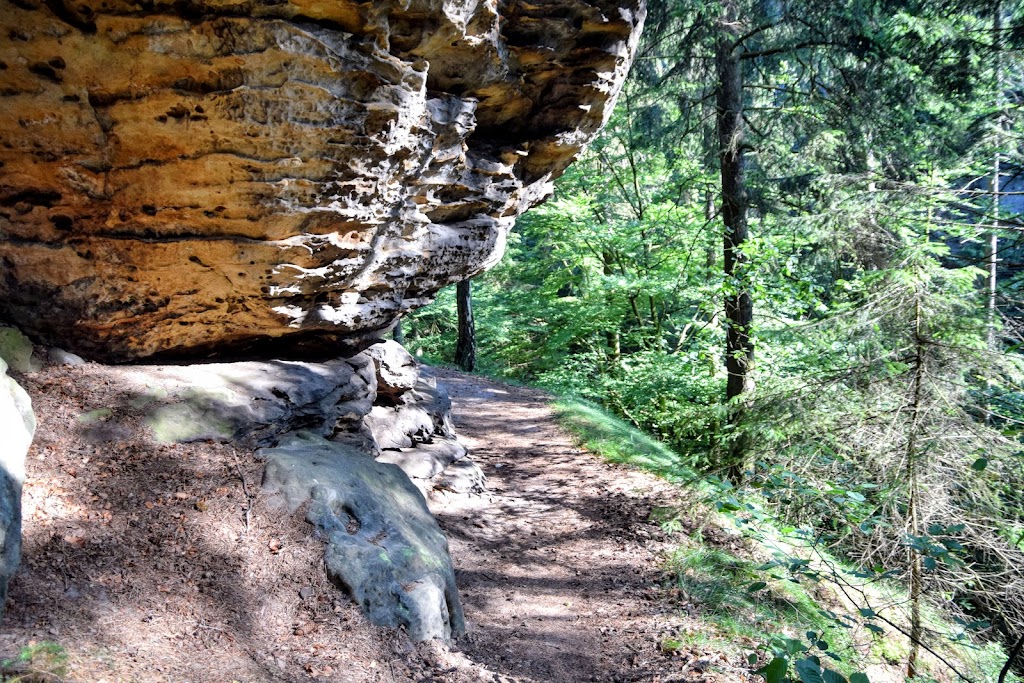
{"x":383,"y":545}
{"x":62,"y":357}
{"x":17,"y":425}
{"x":17,"y":350}
{"x":256,"y":402}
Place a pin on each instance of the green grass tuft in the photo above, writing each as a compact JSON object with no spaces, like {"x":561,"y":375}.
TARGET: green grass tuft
{"x":44,"y":661}
{"x":620,"y":442}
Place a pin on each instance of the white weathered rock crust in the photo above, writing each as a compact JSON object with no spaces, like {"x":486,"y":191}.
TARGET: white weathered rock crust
{"x":17,"y":426}
{"x":218,"y":177}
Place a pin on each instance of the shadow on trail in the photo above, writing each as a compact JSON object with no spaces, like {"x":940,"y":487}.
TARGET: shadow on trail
{"x":566,"y":589}
{"x":132,"y":545}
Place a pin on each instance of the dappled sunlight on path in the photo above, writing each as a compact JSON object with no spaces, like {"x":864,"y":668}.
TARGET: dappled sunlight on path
{"x":559,"y":562}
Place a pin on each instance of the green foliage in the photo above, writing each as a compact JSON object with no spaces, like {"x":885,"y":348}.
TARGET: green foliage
{"x":617,"y":441}
{"x":36,"y":663}
{"x":741,"y":599}
{"x":883,"y":376}
{"x":841,"y":462}
{"x":807,"y":670}
{"x":770,"y":612}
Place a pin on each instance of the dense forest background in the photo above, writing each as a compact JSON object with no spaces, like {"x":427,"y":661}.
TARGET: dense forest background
{"x":794,"y":257}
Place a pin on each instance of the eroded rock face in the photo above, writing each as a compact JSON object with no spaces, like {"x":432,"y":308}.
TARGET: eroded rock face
{"x":218,"y":177}
{"x":411,"y":426}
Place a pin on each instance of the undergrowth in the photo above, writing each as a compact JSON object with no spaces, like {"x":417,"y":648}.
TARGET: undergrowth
{"x":617,"y":441}
{"x":35,"y":663}
{"x":800,"y":603}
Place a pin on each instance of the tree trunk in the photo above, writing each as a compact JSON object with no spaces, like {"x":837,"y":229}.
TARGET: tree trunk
{"x":913,"y":508}
{"x":992,"y":241}
{"x":465,"y":350}
{"x":992,"y":258}
{"x":739,"y":306}
{"x":612,"y":338}
{"x":709,"y":143}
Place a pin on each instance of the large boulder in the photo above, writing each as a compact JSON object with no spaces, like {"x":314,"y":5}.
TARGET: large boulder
{"x":219,"y":177}
{"x":255,"y":402}
{"x":17,"y":425}
{"x":383,"y":545}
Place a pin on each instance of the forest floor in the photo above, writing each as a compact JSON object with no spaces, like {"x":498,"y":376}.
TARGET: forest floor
{"x":151,"y":562}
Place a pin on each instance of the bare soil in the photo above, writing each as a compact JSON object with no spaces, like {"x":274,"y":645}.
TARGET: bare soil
{"x":149,"y":562}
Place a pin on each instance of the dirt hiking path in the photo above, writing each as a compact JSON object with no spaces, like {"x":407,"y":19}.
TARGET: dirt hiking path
{"x":152,"y":563}
{"x":559,"y":564}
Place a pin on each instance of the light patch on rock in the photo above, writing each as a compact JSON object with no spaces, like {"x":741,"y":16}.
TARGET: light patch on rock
{"x":17,"y":426}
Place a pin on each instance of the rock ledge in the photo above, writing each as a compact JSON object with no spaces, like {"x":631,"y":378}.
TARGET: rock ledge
{"x":218,"y":179}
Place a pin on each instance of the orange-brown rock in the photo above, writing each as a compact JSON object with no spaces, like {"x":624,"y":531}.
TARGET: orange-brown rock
{"x":225,"y":177}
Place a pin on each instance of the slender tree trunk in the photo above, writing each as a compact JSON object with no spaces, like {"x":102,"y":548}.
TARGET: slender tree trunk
{"x":611,"y":336}
{"x":992,"y":257}
{"x":916,"y":582}
{"x":739,"y":306}
{"x":992,"y":243}
{"x":710,"y":144}
{"x":913,"y":508}
{"x":1011,"y":659}
{"x":465,"y":349}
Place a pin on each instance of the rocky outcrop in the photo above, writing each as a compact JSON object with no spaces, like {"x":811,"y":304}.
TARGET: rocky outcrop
{"x":378,"y":402}
{"x":17,"y":425}
{"x":321,"y":425}
{"x":383,"y":545}
{"x":411,"y":425}
{"x":255,"y":403}
{"x":213,"y":178}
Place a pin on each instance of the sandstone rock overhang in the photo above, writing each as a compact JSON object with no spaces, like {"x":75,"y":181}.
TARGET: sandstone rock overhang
{"x":235,"y":177}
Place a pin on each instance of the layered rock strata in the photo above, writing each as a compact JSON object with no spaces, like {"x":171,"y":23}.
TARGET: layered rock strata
{"x":213,"y":178}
